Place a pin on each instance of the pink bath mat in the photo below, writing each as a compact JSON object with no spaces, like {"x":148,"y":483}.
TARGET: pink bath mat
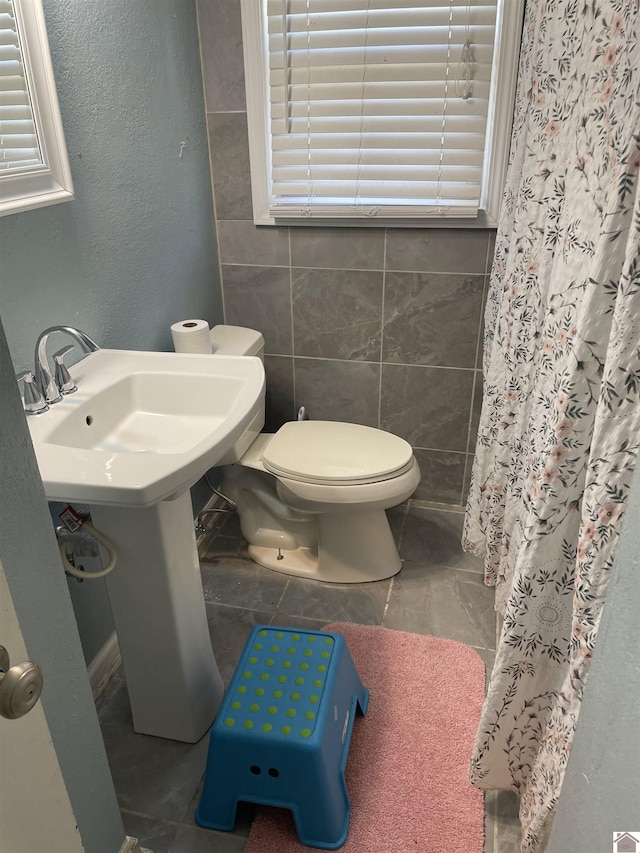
{"x":407,"y":771}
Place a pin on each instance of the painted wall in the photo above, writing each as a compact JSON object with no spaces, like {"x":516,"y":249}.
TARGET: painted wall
{"x":136,"y":250}
{"x":600,"y":791}
{"x":375,"y":326}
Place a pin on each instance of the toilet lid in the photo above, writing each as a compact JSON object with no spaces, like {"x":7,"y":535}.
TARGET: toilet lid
{"x":336,"y":453}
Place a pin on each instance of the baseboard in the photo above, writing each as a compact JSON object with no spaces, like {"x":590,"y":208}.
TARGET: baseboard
{"x":102,"y":668}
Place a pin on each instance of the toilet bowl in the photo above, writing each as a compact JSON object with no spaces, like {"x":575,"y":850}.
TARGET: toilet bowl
{"x":312,"y":497}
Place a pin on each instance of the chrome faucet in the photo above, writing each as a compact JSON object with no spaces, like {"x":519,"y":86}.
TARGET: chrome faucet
{"x":51,"y":385}
{"x":33,"y":400}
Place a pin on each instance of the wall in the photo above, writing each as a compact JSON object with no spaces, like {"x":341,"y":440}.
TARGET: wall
{"x":375,"y":326}
{"x":600,"y":791}
{"x":135,"y":251}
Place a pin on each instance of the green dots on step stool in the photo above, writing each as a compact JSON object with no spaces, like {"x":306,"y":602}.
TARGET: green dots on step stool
{"x":273,"y":651}
{"x":295,"y":664}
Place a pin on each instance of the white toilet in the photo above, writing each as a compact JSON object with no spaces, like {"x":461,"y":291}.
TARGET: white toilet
{"x":312,"y":497}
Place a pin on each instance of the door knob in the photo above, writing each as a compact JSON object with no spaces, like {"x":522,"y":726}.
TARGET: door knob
{"x":20,"y":686}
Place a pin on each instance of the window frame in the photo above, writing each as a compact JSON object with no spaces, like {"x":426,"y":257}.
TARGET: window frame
{"x":504,"y":73}
{"x":50,"y":182}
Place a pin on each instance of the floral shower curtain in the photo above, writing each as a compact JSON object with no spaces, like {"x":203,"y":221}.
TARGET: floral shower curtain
{"x":560,"y":425}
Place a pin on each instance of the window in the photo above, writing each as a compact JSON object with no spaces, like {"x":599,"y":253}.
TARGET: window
{"x":379,"y":111}
{"x":34,"y":167}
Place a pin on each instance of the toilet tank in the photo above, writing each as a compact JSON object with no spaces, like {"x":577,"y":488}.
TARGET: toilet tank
{"x":236,"y":340}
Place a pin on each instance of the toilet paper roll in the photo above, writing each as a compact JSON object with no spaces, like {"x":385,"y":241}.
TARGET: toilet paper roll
{"x":191,"y":336}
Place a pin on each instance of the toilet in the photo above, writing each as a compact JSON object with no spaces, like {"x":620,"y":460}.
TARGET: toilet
{"x":312,"y":497}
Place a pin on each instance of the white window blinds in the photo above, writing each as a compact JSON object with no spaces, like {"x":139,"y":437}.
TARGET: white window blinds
{"x":378,"y":107}
{"x":18,"y":138}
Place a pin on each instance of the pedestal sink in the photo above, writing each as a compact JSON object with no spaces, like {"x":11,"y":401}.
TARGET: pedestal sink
{"x":140,"y":430}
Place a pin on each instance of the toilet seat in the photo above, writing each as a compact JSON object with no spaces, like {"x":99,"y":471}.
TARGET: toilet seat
{"x":308,"y":497}
{"x":333,"y":453}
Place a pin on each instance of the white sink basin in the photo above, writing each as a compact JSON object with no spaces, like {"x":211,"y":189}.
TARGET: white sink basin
{"x":144,"y":426}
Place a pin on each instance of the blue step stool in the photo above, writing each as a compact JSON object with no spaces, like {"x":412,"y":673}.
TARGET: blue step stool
{"x":282,"y":734}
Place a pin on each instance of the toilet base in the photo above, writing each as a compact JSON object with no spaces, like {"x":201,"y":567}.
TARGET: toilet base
{"x":353,"y":547}
{"x":302,"y":562}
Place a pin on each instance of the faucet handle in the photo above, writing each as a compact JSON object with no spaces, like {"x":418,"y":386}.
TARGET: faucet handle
{"x":65,"y":383}
{"x":34,"y":402}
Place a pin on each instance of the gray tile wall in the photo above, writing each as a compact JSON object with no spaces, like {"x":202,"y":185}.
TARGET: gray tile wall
{"x":375,"y":326}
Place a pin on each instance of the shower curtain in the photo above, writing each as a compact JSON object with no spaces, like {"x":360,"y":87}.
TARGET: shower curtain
{"x":560,"y":424}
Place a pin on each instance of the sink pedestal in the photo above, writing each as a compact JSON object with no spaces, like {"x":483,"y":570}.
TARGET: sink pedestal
{"x":160,"y":617}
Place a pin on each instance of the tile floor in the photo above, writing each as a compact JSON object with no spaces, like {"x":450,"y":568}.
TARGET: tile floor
{"x":439,"y":592}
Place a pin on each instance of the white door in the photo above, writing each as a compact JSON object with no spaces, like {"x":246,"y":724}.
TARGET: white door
{"x":35,"y":812}
{"x":56,"y":792}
